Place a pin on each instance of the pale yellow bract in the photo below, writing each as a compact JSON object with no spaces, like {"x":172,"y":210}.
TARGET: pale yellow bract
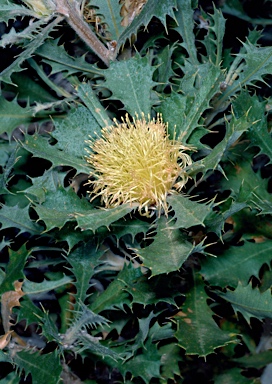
{"x":135,"y":162}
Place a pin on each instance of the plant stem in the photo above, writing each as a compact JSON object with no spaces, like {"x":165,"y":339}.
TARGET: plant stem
{"x":69,"y":8}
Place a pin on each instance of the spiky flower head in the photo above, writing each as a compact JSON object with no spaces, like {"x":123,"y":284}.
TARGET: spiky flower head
{"x":136,"y":162}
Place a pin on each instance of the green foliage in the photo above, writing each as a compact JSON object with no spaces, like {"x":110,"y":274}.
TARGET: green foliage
{"x":90,"y":294}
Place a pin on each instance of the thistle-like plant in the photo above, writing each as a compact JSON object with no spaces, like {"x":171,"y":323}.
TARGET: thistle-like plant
{"x":137,"y":163}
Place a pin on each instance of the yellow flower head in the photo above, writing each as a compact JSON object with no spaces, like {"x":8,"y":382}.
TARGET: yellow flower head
{"x":136,"y":162}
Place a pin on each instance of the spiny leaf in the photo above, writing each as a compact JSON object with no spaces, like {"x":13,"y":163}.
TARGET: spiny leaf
{"x":125,"y":80}
{"x":61,"y":206}
{"x":89,"y":98}
{"x":31,"y":288}
{"x":40,"y":147}
{"x":197,"y":332}
{"x":110,"y":11}
{"x":170,"y":358}
{"x":185,"y":26}
{"x":246,"y":185}
{"x":44,"y":369}
{"x":187,"y":212}
{"x":96,"y":218}
{"x":60,"y":61}
{"x":5,"y":75}
{"x":214,"y":39}
{"x":72,"y":132}
{"x":83,"y":260}
{"x":12,"y":115}
{"x":50,"y":181}
{"x":17,"y":217}
{"x":145,"y":365}
{"x":233,"y":376}
{"x":159,"y":9}
{"x":250,"y":302}
{"x":258,"y":131}
{"x":198,"y":95}
{"x":168,"y":251}
{"x":237,"y":264}
{"x":9,"y":11}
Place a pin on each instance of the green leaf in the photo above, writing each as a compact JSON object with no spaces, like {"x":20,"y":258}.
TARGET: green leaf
{"x":61,"y":206}
{"x":250,"y":302}
{"x":44,"y":369}
{"x":31,"y":288}
{"x":237,"y":264}
{"x":16,"y":217}
{"x":14,"y":269}
{"x":125,"y":80}
{"x":11,"y":378}
{"x":56,"y":56}
{"x":72,"y":132}
{"x":197,"y":332}
{"x":145,"y":365}
{"x":168,"y":251}
{"x":83,"y":260}
{"x":89,"y":98}
{"x":214,"y":39}
{"x":9,"y":11}
{"x":116,"y":294}
{"x":96,"y":218}
{"x":5,"y":75}
{"x":186,"y":112}
{"x":187,"y":212}
{"x":50,"y":181}
{"x":110,"y":11}
{"x":256,"y":360}
{"x":40,"y":147}
{"x":159,"y":9}
{"x":258,"y":132}
{"x":170,"y":358}
{"x":184,"y":17}
{"x":233,"y":376}
{"x":28,"y":311}
{"x":246,"y":185}
{"x":12,"y":115}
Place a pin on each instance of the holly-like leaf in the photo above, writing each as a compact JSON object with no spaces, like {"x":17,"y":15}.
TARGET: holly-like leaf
{"x":39,"y":146}
{"x":233,"y":376}
{"x":250,"y":302}
{"x":44,"y":369}
{"x":5,"y":75}
{"x":96,"y":218}
{"x":185,"y":26}
{"x":12,"y":115}
{"x":83,"y":260}
{"x":258,"y":131}
{"x":50,"y":181}
{"x":199,"y":93}
{"x":170,"y":358}
{"x":145,"y":365}
{"x":61,"y":206}
{"x":168,"y":251}
{"x":89,"y":98}
{"x":9,"y":10}
{"x":237,"y":264}
{"x":72,"y":132}
{"x":110,"y":11}
{"x":125,"y":80}
{"x":16,"y":217}
{"x":159,"y":9}
{"x":214,"y":39}
{"x":31,"y":288}
{"x":197,"y":332}
{"x":187,"y":212}
{"x":14,"y":269}
{"x":60,"y":61}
